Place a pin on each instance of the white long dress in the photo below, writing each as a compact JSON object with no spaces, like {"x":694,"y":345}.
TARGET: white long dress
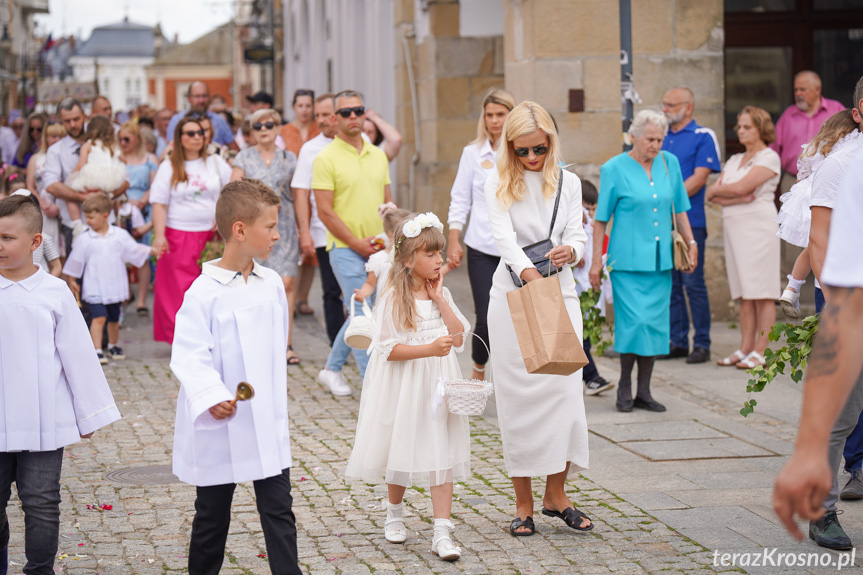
{"x":398,"y":440}
{"x":103,"y":170}
{"x":542,"y":420}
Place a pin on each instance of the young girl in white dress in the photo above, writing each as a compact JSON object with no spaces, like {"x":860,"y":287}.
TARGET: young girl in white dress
{"x":838,"y":132}
{"x":99,"y":165}
{"x":418,"y":329}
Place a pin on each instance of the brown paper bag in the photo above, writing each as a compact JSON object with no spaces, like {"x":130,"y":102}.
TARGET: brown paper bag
{"x":548,"y":341}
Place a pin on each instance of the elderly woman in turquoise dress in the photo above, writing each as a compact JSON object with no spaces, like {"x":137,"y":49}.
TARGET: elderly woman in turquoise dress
{"x":642,"y":189}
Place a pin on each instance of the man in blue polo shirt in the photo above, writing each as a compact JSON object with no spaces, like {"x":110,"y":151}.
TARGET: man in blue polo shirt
{"x":698,"y":152}
{"x":198,"y":96}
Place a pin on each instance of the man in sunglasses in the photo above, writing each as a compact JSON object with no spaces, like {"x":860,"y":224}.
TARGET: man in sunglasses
{"x":198,"y":97}
{"x":350,"y":179}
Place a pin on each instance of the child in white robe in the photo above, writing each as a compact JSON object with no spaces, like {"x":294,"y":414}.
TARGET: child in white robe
{"x":52,"y":388}
{"x":399,"y":439}
{"x":232,"y":328}
{"x":100,"y":255}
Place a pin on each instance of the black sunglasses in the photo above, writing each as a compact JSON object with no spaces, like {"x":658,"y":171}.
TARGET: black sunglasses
{"x":127,"y":140}
{"x":304,"y":93}
{"x":524,"y":152}
{"x":35,"y":128}
{"x":193,"y":133}
{"x":346,"y":112}
{"x":257,"y":126}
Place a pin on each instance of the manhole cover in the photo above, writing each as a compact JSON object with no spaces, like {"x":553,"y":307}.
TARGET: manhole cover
{"x":147,"y":475}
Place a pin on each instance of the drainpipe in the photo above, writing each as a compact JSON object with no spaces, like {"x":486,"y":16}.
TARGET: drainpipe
{"x":628,"y":95}
{"x":415,"y":159}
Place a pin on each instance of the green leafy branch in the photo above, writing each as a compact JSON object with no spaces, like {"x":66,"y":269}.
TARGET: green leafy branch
{"x":793,"y":355}
{"x":594,"y":321}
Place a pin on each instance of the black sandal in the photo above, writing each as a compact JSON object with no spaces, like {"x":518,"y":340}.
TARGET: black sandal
{"x":571,"y":516}
{"x":293,"y":360}
{"x":517,"y":523}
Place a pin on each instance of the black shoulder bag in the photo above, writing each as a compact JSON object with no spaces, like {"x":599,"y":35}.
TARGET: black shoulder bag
{"x":537,"y":252}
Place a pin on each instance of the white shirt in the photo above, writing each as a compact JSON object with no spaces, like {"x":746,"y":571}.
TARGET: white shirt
{"x":229,"y":331}
{"x":303,"y":180}
{"x":128,"y":210}
{"x":191,"y":204}
{"x":379,"y":263}
{"x":468,"y":197}
{"x":843,"y":266}
{"x":102,"y":261}
{"x":52,"y":385}
{"x":582,"y":274}
{"x":533,"y":213}
{"x":60,"y":161}
{"x":830,"y":175}
{"x":9,"y":144}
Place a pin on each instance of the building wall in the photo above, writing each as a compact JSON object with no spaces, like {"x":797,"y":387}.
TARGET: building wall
{"x":167,"y":84}
{"x":122,"y":80}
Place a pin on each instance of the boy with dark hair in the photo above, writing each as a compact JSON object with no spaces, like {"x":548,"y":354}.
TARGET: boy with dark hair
{"x":53,"y":391}
{"x":232,"y":328}
{"x":100,"y":255}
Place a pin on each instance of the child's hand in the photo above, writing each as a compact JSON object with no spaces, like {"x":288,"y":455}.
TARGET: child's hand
{"x":73,"y":285}
{"x":442,"y":346}
{"x":223,"y":410}
{"x":435,"y":288}
{"x":88,"y":436}
{"x":364,"y":292}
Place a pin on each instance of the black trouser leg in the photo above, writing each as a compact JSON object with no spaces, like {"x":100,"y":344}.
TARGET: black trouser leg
{"x":210,"y":529}
{"x":589,"y":373}
{"x":624,"y":388}
{"x":334,"y":312}
{"x":273,"y":496}
{"x":480,"y":270}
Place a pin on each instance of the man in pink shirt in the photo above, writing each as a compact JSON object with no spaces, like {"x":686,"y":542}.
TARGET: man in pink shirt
{"x":799,"y":123}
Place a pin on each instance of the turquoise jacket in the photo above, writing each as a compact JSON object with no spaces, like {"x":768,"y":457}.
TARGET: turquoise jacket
{"x":641,"y":206}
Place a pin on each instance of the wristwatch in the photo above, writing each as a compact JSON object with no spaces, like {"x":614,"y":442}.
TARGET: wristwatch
{"x":692,"y":242}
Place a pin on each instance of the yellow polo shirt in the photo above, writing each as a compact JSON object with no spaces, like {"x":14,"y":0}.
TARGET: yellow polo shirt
{"x":357,"y":181}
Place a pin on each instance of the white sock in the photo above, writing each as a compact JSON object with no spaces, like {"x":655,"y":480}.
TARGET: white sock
{"x":76,"y":223}
{"x":442,"y":528}
{"x":794,"y":283}
{"x":110,"y":345}
{"x":396,"y":510}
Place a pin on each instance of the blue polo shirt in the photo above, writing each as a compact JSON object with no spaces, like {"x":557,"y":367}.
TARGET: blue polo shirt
{"x":695,"y":147}
{"x":222,"y":133}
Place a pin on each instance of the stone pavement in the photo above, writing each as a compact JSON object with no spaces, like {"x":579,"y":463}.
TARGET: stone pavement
{"x":666,"y":491}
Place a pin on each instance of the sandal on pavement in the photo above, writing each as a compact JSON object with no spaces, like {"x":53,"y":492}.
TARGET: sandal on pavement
{"x":517,"y":523}
{"x":442,"y":543}
{"x":143,"y":311}
{"x":754,"y":359}
{"x":394,"y":526}
{"x":304,"y":309}
{"x":571,"y":516}
{"x":732,"y":359}
{"x":292,"y":357}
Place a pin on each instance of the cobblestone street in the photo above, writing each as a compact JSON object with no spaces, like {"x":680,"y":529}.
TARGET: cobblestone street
{"x":137,"y":521}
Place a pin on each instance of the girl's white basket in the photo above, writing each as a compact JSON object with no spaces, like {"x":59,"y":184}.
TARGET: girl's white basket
{"x":361,"y":329}
{"x":467,"y":396}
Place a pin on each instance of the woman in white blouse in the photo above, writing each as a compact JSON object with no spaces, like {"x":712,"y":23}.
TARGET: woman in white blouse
{"x":183,"y":196}
{"x":468,"y":199}
{"x":745,"y":190}
{"x":542,"y":420}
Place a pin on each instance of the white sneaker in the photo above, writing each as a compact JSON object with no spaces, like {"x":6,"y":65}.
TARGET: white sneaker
{"x":442,"y":542}
{"x":335,"y":381}
{"x":790,"y":302}
{"x":394,"y":526}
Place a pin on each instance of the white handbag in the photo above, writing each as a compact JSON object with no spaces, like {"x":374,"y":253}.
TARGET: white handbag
{"x":360,"y":329}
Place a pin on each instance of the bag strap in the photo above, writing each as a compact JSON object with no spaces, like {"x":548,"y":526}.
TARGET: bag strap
{"x":673,"y":219}
{"x":556,"y":203}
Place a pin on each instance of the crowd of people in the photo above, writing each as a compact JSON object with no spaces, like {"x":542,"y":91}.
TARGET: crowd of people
{"x":228,"y":221}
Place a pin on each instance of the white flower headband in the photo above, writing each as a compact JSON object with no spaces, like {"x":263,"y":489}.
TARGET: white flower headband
{"x":412,"y":228}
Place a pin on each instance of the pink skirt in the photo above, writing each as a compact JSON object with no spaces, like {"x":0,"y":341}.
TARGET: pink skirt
{"x":175,"y":272}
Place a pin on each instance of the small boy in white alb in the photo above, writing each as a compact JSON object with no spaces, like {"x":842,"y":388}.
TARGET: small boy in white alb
{"x":100,"y":255}
{"x":233,"y":328}
{"x":52,"y":390}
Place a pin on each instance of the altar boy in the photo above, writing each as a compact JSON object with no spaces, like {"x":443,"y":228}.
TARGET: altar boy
{"x":52,"y":389}
{"x":232,"y":328}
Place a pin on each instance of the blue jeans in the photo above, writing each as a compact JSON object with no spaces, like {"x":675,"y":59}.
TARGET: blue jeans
{"x":696,"y":291}
{"x":819,"y":300}
{"x":853,"y":452}
{"x":37,"y":477}
{"x":350,"y":271}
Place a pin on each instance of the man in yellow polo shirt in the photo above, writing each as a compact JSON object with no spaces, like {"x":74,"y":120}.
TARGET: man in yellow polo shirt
{"x":350,"y":179}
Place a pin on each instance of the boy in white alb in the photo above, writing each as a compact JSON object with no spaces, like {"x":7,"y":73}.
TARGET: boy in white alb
{"x":232,"y":328}
{"x":52,"y":388}
{"x":100,"y":255}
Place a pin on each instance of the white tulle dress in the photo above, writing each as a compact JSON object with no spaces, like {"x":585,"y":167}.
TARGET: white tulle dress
{"x":398,"y":439}
{"x":102,"y":171}
{"x":795,"y":216}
